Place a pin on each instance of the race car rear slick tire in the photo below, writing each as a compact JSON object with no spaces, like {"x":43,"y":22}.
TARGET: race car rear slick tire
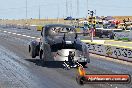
{"x":33,"y":52}
{"x":37,"y":50}
{"x":47,"y":53}
{"x":41,"y":55}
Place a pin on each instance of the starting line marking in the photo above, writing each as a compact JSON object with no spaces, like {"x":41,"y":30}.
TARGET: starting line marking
{"x":28,"y":36}
{"x":9,"y":32}
{"x":33,"y":37}
{"x":24,"y":35}
{"x":18,"y":34}
{"x":5,"y":31}
{"x":14,"y":33}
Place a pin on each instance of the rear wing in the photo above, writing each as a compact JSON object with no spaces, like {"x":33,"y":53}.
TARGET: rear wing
{"x":76,"y":34}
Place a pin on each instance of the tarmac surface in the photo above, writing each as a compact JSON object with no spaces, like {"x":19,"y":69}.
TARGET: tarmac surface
{"x":19,"y":70}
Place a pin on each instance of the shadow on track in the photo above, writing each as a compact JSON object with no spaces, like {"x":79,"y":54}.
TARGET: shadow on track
{"x":49,"y":64}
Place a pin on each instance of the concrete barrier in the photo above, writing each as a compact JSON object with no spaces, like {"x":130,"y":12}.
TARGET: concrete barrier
{"x":122,"y":35}
{"x":117,"y":52}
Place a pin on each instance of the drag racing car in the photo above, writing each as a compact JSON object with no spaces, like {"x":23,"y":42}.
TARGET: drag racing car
{"x":57,"y":42}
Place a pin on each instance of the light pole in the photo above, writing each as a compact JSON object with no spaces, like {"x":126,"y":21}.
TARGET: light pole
{"x":26,"y":12}
{"x":66,"y":8}
{"x":77,"y":7}
{"x":39,"y":13}
{"x":58,"y":12}
{"x":71,"y":8}
{"x":26,"y":9}
{"x":87,"y":8}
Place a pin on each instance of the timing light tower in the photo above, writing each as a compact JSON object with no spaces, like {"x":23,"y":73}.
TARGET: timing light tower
{"x":92,"y":21}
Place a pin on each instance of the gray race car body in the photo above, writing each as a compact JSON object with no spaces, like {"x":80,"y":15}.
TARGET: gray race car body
{"x":57,"y":41}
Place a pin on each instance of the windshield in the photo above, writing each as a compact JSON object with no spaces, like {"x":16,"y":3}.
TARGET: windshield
{"x":118,"y":30}
{"x":109,"y":26}
{"x":60,"y":31}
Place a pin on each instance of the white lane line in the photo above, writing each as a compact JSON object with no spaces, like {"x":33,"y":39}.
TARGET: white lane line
{"x":24,"y":35}
{"x":14,"y":33}
{"x":5,"y":31}
{"x":116,"y":87}
{"x":9,"y":32}
{"x":28,"y":36}
{"x":33,"y":37}
{"x":38,"y":38}
{"x":19,"y":34}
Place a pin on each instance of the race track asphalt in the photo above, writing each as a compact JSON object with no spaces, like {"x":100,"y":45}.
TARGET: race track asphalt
{"x":19,"y":70}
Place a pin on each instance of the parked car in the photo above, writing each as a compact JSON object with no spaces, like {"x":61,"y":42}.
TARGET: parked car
{"x":69,"y":18}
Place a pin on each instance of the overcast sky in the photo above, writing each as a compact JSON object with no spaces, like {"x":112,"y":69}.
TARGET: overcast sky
{"x":16,"y":9}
